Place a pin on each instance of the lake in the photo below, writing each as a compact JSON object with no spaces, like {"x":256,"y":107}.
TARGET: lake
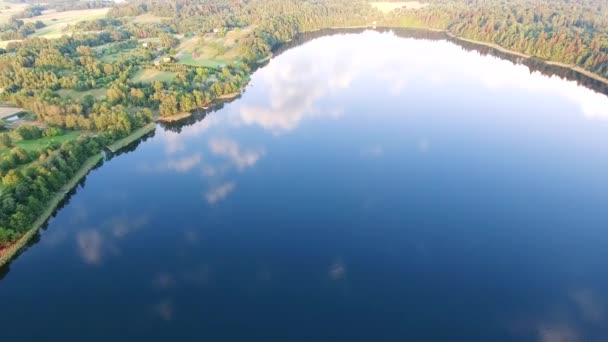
{"x":365,"y":187}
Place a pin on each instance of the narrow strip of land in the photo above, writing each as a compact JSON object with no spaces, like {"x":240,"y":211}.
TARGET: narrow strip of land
{"x":8,"y":253}
{"x":138,"y":133}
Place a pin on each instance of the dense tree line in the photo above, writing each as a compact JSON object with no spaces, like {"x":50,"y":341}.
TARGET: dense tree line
{"x":17,"y":29}
{"x":37,"y":73}
{"x":27,"y":190}
{"x":572,"y":32}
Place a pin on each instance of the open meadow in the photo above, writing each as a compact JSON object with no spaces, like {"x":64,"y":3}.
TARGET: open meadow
{"x":152,"y":75}
{"x":8,"y":9}
{"x":57,"y":23}
{"x":212,"y":50}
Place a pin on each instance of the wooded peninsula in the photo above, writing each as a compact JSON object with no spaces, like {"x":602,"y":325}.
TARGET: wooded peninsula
{"x":81,"y":77}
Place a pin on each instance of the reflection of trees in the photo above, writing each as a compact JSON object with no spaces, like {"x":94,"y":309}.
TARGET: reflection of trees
{"x":198,"y":115}
{"x":533,"y":64}
{"x":36,"y":238}
{"x":132,"y":146}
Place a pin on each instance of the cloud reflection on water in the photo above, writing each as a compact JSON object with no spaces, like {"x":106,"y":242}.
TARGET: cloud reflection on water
{"x":94,"y":244}
{"x":240,"y":157}
{"x":295,"y":86}
{"x":89,"y":245}
{"x":220,"y":192}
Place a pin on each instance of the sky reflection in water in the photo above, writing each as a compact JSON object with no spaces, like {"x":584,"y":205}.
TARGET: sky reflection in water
{"x":364,"y":187}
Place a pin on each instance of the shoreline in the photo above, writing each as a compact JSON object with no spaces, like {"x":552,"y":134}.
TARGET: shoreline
{"x":174,"y":118}
{"x":7,"y":254}
{"x":491,"y":45}
{"x":138,"y":133}
{"x":231,"y":95}
{"x":185,"y":115}
{"x":574,"y":68}
{"x":497,"y":47}
{"x":10,"y":252}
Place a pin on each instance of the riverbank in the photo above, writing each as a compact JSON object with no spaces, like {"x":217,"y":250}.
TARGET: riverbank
{"x":138,"y":133}
{"x":8,"y":253}
{"x":519,"y":54}
{"x":174,"y":117}
{"x":231,"y":95}
{"x":13,"y":250}
{"x":494,"y":46}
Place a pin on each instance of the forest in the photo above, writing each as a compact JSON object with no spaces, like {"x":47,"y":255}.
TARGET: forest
{"x":102,"y":78}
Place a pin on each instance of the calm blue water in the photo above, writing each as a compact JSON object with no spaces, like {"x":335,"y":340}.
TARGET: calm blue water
{"x":366,"y":187}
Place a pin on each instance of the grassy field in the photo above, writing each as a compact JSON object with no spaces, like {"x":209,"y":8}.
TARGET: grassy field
{"x":188,"y":59}
{"x":79,"y":95}
{"x":111,"y":53}
{"x":151,"y":75}
{"x":33,"y":145}
{"x":387,"y":7}
{"x":4,"y":43}
{"x":147,"y":18}
{"x":8,"y":254}
{"x":37,"y":144}
{"x":57,"y":22}
{"x":8,"y":9}
{"x":212,"y":51}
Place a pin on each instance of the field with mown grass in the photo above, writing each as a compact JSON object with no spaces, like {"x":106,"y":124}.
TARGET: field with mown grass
{"x":79,"y":95}
{"x":152,"y":75}
{"x":211,"y":51}
{"x":57,"y":22}
{"x":37,"y":144}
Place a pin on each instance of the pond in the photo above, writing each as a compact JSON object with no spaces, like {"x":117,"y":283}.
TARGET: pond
{"x":365,"y":186}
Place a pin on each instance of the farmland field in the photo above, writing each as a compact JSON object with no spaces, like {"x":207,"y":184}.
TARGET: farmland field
{"x":79,"y":95}
{"x":8,"y":9}
{"x":57,"y":22}
{"x":33,"y":145}
{"x":151,"y":75}
{"x":148,"y":18}
{"x":212,"y":51}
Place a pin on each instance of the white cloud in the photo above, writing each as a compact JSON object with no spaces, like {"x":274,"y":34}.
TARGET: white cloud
{"x":89,"y":246}
{"x":589,"y":304}
{"x":375,"y":151}
{"x":557,"y":333}
{"x":184,"y":164}
{"x":220,"y":192}
{"x":241,"y":158}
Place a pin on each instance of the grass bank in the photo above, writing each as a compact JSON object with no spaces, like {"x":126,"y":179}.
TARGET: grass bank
{"x":138,"y":133}
{"x":8,"y":254}
{"x":175,"y":117}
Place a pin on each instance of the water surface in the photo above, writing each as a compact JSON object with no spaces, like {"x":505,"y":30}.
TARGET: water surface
{"x":364,"y":187}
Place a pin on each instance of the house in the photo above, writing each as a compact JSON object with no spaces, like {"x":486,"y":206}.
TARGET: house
{"x":144,"y":45}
